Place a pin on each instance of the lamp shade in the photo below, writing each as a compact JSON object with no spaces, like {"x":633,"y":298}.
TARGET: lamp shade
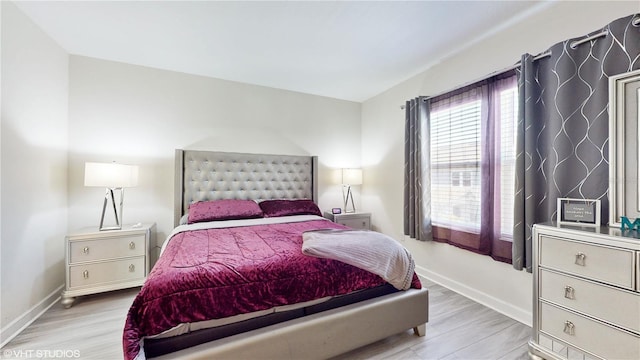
{"x":352,"y":176}
{"x":110,"y":175}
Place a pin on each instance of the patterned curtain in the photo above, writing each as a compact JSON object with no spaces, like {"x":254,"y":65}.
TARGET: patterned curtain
{"x":563,"y":126}
{"x":417,"y":182}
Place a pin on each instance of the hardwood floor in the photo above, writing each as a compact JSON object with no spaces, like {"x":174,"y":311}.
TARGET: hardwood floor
{"x":458,"y":328}
{"x":92,"y":327}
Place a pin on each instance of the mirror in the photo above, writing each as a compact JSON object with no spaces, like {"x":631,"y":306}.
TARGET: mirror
{"x":624,"y":147}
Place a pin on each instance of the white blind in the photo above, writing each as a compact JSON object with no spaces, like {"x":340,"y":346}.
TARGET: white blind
{"x":508,"y":118}
{"x":455,"y":159}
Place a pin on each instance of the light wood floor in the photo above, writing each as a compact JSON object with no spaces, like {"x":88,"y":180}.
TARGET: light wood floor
{"x":458,"y":328}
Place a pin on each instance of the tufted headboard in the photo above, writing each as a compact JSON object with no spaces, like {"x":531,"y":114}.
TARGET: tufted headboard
{"x":210,"y":175}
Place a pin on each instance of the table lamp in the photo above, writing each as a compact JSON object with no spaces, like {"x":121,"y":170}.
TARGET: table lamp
{"x":350,"y":177}
{"x":114,"y":177}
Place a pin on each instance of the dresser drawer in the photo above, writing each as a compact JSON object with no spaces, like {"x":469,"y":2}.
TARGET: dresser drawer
{"x":107,"y":272}
{"x":107,"y":248}
{"x":589,"y":335}
{"x":619,"y":307}
{"x":638,"y":271}
{"x":610,"y":265}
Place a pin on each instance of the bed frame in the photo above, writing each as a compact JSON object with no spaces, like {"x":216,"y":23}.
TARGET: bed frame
{"x":202,"y":175}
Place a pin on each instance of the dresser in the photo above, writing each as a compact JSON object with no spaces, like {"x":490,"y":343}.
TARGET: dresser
{"x":99,"y":261}
{"x":359,"y":221}
{"x":586,"y":288}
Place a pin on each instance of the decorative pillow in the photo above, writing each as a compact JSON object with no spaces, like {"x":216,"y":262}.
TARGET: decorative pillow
{"x":223,"y":210}
{"x":274,"y":208}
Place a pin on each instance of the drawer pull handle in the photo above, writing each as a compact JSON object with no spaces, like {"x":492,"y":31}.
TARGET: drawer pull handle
{"x":580,"y":259}
{"x":85,"y":274}
{"x":132,"y":268}
{"x":132,"y":245}
{"x":569,"y":328}
{"x":569,"y":292}
{"x":85,"y":250}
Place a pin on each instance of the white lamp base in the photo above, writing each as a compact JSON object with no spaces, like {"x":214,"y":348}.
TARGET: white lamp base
{"x":109,"y":197}
{"x":348,"y":197}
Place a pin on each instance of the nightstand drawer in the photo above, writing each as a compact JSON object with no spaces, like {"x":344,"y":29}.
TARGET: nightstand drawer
{"x":609,"y":265}
{"x":107,"y":272}
{"x":107,"y":248}
{"x":589,"y":335}
{"x":358,"y":223}
{"x":619,"y":307}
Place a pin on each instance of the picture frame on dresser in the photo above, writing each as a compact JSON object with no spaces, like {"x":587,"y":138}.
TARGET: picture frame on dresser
{"x":624,"y":147}
{"x":583,"y":212}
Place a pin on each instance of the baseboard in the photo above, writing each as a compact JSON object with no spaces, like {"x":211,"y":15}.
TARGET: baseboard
{"x":516,"y":313}
{"x":14,"y":328}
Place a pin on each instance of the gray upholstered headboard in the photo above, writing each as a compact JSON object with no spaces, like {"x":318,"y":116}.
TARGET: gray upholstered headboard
{"x":208,"y":175}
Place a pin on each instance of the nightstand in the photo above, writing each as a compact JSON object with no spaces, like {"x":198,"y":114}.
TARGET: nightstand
{"x":99,"y":261}
{"x":359,"y":221}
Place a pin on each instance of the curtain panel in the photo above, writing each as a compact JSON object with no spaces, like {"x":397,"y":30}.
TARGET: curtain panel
{"x":417,"y":182}
{"x":563,"y":126}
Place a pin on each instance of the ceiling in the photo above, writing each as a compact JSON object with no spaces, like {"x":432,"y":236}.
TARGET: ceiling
{"x":349,"y":50}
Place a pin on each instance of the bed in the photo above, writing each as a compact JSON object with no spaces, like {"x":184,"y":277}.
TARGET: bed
{"x":344,"y":308}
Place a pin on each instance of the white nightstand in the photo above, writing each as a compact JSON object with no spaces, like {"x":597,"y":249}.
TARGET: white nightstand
{"x":360,"y":221}
{"x":99,"y":261}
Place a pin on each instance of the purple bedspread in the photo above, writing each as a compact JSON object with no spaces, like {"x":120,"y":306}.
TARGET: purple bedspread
{"x":216,"y":273}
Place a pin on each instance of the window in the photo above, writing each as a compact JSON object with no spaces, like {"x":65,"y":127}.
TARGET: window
{"x":461,"y":178}
{"x":472,"y":155}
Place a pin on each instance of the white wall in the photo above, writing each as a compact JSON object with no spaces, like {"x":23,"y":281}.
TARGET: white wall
{"x":34,"y":169}
{"x":477,"y":276}
{"x":138,"y":115}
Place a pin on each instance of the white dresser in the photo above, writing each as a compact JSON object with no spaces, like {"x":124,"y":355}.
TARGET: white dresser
{"x":98,"y":261}
{"x":586,"y":293}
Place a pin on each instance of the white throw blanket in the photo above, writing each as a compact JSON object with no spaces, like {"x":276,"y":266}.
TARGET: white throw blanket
{"x":367,"y":250}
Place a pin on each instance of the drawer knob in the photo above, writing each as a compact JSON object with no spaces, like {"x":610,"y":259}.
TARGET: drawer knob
{"x":132,"y":268}
{"x":580,"y":259}
{"x":569,"y":328}
{"x":85,"y":274}
{"x":569,"y":292}
{"x":132,"y":245}
{"x":85,"y":250}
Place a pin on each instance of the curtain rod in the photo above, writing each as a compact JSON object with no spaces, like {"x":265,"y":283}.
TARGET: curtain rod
{"x":574,"y":44}
{"x":515,"y":66}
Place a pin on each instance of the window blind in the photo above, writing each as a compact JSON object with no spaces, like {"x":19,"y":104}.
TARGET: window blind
{"x":455,"y":164}
{"x":508,"y":118}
